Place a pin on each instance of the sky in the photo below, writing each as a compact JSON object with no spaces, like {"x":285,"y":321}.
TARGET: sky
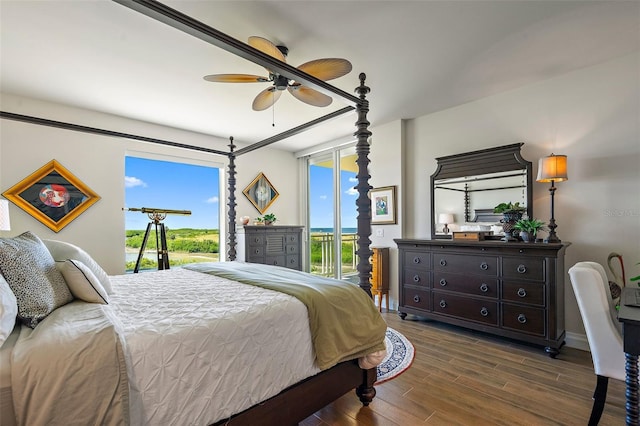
{"x":179,"y":186}
{"x":175,"y":186}
{"x":321,"y":198}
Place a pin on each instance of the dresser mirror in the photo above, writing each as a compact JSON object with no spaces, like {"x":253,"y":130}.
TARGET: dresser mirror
{"x":466,"y":187}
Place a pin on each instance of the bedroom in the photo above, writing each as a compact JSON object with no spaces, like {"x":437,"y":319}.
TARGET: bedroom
{"x":589,"y":113}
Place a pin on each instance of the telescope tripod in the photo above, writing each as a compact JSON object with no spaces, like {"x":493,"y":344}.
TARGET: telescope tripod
{"x":161,"y":242}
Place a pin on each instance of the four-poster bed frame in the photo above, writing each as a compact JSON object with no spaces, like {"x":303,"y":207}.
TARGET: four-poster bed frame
{"x":303,"y":399}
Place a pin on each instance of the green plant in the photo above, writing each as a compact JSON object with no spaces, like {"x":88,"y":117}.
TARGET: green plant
{"x":259,"y":219}
{"x":509,"y":208}
{"x":529,"y":225}
{"x":270,"y":217}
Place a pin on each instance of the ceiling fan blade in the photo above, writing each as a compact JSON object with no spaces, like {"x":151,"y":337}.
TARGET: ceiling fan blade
{"x":327,"y":69}
{"x":266,"y":98}
{"x":309,"y":96}
{"x":264,"y":45}
{"x":235,"y":78}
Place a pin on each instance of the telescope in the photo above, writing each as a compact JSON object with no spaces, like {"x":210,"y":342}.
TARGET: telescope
{"x":156,"y":216}
{"x":149,"y":210}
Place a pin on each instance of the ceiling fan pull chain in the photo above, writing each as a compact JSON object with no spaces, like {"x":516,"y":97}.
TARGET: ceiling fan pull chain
{"x":273,"y":113}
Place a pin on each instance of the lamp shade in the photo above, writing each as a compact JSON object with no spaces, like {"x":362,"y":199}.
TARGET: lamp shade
{"x":445,"y":218}
{"x":5,"y":225}
{"x":552,"y":168}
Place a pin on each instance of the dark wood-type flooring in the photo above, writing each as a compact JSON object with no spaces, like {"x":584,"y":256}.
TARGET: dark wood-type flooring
{"x":460,"y":377}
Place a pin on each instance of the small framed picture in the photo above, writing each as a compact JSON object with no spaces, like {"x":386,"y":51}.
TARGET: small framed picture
{"x":261,"y":193}
{"x":383,"y":205}
{"x":52,"y":195}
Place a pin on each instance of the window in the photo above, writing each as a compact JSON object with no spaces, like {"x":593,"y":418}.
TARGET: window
{"x":176,"y":187}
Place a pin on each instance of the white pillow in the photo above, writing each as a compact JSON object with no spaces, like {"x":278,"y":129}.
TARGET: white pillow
{"x":83,"y":283}
{"x":62,"y":251}
{"x":8,"y":310}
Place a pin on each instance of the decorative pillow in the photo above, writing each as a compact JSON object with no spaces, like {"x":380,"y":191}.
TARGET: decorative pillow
{"x":62,"y":251}
{"x":83,"y":283}
{"x":31,"y":273}
{"x":8,"y":310}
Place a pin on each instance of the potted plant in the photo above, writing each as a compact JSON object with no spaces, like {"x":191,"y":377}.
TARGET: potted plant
{"x":269,"y":219}
{"x":529,"y":228}
{"x":258,"y":221}
{"x":511,"y":213}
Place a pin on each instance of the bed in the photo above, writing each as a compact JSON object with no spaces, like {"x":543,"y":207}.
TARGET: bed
{"x":290,"y":401}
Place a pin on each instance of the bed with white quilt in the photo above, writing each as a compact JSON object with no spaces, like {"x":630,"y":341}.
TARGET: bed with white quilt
{"x":198,"y":345}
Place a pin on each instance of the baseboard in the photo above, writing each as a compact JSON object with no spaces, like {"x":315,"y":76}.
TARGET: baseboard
{"x":577,"y":341}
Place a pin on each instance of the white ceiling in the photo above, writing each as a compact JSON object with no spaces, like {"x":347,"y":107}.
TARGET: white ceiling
{"x":419,"y":56}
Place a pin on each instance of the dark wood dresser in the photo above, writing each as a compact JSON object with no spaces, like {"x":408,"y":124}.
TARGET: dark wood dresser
{"x":515,"y":290}
{"x":271,"y":245}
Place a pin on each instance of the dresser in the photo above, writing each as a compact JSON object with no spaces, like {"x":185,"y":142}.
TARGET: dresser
{"x":271,"y":245}
{"x":514,"y":290}
{"x":380,"y":275}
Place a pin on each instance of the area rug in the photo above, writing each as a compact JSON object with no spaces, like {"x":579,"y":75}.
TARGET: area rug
{"x":399,"y":356}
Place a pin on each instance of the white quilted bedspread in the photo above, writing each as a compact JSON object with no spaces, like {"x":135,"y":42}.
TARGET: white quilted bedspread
{"x":200,"y":348}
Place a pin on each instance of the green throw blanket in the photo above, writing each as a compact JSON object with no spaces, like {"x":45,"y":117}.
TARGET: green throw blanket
{"x":344,"y":321}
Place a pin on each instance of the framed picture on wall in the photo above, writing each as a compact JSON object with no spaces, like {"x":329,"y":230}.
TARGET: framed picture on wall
{"x":261,"y":193}
{"x":383,"y":205}
{"x":52,"y":195}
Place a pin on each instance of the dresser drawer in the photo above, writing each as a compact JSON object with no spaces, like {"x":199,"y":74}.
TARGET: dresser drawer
{"x":255,"y":239}
{"x":417,"y":259}
{"x":255,"y":251}
{"x":485,"y":311}
{"x":292,"y":262}
{"x":416,"y":298}
{"x":469,"y":284}
{"x":482,"y":265}
{"x":292,"y":249}
{"x":523,"y":268}
{"x":529,"y":293}
{"x":416,"y":277}
{"x":275,"y":260}
{"x":292,"y":239}
{"x":523,"y":318}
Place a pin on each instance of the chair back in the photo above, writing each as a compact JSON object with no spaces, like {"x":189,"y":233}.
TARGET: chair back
{"x":591,"y":288}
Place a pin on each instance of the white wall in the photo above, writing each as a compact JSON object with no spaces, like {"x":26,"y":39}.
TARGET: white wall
{"x":591,"y":115}
{"x":98,"y":161}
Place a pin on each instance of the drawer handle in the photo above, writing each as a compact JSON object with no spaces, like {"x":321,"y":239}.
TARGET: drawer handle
{"x":416,"y":259}
{"x":484,"y":266}
{"x":292,"y":261}
{"x":257,"y":251}
{"x":484,"y":311}
{"x":522,"y":318}
{"x":484,"y":288}
{"x":443,"y":262}
{"x":521,"y":268}
{"x":522,"y":292}
{"x":416,"y":298}
{"x":416,"y":278}
{"x":275,"y":262}
{"x":443,"y":282}
{"x":257,"y":240}
{"x":443,"y":303}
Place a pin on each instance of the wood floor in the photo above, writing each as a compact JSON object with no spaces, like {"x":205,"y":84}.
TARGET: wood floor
{"x":460,"y":377}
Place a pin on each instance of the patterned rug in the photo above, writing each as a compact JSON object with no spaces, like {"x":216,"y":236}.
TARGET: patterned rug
{"x":399,"y":357}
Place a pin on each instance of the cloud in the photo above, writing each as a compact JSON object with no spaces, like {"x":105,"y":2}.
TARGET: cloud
{"x":353,"y":179}
{"x":130,"y":182}
{"x":323,"y":197}
{"x":213,"y":200}
{"x":351,"y":191}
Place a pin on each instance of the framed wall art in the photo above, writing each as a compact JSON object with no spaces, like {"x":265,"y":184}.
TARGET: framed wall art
{"x":52,"y":195}
{"x":261,"y":193}
{"x":383,"y":205}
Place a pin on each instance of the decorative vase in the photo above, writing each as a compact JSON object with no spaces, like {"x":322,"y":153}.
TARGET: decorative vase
{"x":527,"y":237}
{"x":509,"y":220}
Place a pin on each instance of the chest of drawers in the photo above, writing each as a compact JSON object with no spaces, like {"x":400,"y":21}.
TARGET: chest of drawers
{"x":515,"y":290}
{"x":271,"y":245}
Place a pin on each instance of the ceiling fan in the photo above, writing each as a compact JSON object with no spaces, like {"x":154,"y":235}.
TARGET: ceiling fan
{"x":324,"y":69}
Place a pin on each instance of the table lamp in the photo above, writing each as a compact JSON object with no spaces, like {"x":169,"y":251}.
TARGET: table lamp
{"x":552,"y":169}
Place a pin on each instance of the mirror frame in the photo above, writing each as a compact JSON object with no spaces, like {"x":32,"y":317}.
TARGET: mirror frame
{"x":474,"y":163}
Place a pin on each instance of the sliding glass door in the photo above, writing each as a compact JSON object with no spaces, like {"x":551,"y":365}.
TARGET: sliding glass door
{"x":332,"y":213}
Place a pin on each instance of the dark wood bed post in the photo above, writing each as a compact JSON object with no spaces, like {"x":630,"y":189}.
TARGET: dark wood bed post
{"x":231,"y":241}
{"x":363,"y":202}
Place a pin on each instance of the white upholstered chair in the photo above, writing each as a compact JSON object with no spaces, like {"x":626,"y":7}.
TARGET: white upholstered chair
{"x":604,"y":331}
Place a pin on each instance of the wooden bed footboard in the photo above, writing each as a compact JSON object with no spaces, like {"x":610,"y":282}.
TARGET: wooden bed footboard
{"x":301,"y":400}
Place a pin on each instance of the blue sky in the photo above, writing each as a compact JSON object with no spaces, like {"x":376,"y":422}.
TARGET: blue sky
{"x":179,"y":186}
{"x":321,"y":201}
{"x":176,"y":186}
